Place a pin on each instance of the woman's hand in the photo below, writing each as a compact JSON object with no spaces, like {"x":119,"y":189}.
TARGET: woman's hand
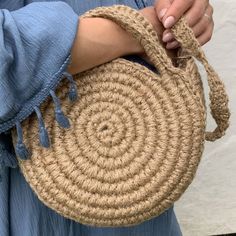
{"x":198,"y":14}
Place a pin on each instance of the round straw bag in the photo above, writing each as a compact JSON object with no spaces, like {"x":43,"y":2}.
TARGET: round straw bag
{"x":136,"y":137}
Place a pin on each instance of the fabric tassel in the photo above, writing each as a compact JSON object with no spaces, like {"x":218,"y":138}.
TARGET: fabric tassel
{"x":21,"y":150}
{"x":43,"y":134}
{"x":73,"y":94}
{"x":61,"y":119}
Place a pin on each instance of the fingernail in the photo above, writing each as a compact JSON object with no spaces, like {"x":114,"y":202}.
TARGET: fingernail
{"x":169,"y":22}
{"x":167,"y":37}
{"x":162,"y":13}
{"x":172,"y":45}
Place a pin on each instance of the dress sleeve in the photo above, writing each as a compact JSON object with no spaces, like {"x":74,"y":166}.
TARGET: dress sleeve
{"x":35,"y":44}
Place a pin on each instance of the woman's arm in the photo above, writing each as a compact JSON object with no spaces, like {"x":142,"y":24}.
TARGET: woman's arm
{"x":100,"y":40}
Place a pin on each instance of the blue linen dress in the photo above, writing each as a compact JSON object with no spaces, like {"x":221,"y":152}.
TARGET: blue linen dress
{"x":35,"y":42}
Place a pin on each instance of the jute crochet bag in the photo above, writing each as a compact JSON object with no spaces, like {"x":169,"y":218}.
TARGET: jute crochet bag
{"x":136,"y":137}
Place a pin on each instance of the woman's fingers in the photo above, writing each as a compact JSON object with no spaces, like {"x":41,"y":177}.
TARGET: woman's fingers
{"x":199,"y":18}
{"x":167,"y":36}
{"x":196,"y":12}
{"x":172,"y":45}
{"x":176,"y":9}
{"x":207,"y":34}
{"x":161,"y":7}
{"x":204,"y":23}
{"x":203,"y":35}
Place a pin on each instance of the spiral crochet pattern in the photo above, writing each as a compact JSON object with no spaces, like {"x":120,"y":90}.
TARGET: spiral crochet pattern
{"x":135,"y":141}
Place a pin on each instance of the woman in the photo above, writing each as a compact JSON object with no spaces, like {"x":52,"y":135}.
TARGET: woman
{"x":38,"y":42}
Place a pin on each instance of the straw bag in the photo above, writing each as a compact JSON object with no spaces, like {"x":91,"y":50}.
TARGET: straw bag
{"x":136,"y":137}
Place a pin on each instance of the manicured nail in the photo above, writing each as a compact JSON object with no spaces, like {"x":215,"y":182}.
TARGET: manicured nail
{"x":169,"y":22}
{"x":167,"y":37}
{"x":162,"y":13}
{"x":172,"y":45}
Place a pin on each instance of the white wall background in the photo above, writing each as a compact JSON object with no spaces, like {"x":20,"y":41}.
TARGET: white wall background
{"x":208,"y":207}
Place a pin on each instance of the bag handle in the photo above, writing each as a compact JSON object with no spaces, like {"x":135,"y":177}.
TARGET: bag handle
{"x":133,"y":22}
{"x":217,"y":95}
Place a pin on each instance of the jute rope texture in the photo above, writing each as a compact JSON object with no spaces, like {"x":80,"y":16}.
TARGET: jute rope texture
{"x":136,"y":137}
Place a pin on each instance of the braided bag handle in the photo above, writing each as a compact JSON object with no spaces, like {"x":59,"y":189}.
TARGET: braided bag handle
{"x":133,"y":22}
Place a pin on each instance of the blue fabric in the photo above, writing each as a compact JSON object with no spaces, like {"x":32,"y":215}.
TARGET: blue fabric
{"x":35,"y":42}
{"x":25,"y":37}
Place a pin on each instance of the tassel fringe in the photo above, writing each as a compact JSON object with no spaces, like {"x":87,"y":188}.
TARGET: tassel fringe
{"x":43,"y":134}
{"x":8,"y":159}
{"x":72,"y":94}
{"x":61,"y":119}
{"x":20,"y":149}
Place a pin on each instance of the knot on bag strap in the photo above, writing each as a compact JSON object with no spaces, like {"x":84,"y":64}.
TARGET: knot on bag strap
{"x":217,"y":94}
